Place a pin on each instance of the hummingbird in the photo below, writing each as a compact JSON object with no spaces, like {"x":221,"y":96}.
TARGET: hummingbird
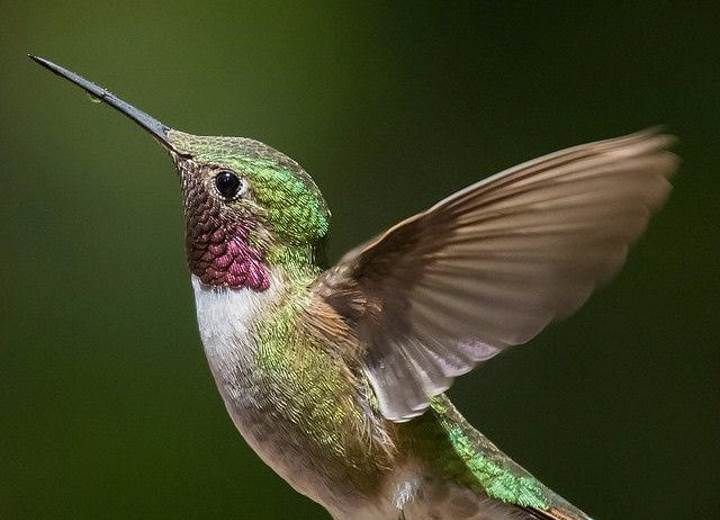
{"x":337,"y":377}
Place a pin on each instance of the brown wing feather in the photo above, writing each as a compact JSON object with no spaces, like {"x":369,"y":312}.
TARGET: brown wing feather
{"x":490,"y":266}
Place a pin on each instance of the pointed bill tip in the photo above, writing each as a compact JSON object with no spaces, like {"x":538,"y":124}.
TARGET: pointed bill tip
{"x":149,"y":123}
{"x":45,"y":63}
{"x":62,"y":72}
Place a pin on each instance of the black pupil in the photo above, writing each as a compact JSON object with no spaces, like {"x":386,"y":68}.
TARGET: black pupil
{"x":228,"y":184}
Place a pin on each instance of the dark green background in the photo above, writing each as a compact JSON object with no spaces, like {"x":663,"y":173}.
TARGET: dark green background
{"x":107,"y":409}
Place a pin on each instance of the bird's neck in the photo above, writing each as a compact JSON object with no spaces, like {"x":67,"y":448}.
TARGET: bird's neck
{"x":296,"y":264}
{"x":227,"y":314}
{"x":231,"y":255}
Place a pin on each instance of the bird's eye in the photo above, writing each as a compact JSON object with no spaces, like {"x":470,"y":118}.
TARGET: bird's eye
{"x":228,"y":184}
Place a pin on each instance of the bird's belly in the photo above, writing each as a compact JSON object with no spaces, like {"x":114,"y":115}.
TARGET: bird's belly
{"x":286,"y":449}
{"x":259,"y":425}
{"x":281,"y":443}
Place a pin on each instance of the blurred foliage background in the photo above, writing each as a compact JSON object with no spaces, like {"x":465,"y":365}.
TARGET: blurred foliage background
{"x":107,"y":409}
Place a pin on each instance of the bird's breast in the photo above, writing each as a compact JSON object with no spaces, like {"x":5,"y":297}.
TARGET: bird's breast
{"x":301,"y":417}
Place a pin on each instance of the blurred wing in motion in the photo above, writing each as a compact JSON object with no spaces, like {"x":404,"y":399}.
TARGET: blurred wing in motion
{"x":490,"y":266}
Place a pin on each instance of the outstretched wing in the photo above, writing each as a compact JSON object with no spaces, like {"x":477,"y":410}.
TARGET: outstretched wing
{"x":490,"y":266}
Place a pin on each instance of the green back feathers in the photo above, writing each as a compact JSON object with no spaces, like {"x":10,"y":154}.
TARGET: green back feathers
{"x":455,"y":450}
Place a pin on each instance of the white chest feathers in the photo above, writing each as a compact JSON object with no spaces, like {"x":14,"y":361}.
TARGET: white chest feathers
{"x":225,"y":317}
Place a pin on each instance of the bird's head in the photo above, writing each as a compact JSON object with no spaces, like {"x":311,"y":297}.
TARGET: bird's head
{"x":248,"y":208}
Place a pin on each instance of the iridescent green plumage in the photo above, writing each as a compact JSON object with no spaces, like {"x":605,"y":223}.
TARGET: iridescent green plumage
{"x":475,"y":461}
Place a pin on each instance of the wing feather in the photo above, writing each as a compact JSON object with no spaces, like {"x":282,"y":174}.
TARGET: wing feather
{"x":490,"y":266}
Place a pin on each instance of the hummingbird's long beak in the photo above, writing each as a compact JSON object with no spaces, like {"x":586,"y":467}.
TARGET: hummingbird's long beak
{"x":157,"y":129}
